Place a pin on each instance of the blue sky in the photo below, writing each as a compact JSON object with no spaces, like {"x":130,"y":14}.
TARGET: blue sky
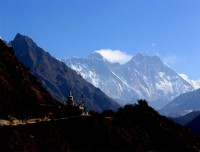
{"x":66,"y":28}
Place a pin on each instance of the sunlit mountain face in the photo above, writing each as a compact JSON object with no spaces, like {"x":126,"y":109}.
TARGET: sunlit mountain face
{"x":141,"y":77}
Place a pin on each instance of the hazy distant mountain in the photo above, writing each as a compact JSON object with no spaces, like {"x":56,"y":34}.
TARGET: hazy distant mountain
{"x":184,"y":120}
{"x":58,"y":78}
{"x":191,"y":121}
{"x":21,"y":95}
{"x":183,"y":104}
{"x":143,"y":77}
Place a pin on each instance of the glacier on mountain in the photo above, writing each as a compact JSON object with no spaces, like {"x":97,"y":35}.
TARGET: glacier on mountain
{"x":142,"y":77}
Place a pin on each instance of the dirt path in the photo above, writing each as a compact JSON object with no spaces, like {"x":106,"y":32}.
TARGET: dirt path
{"x":14,"y":122}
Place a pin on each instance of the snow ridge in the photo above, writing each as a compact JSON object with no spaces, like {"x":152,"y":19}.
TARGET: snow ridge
{"x":194,"y":83}
{"x":142,"y":77}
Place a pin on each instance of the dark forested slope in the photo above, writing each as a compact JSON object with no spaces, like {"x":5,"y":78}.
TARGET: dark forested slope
{"x":20,"y":92}
{"x":132,"y":128}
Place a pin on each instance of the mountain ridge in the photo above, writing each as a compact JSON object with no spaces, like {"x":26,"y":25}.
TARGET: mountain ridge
{"x":21,"y":95}
{"x":194,"y":83}
{"x":143,"y":77}
{"x":183,"y":104}
{"x":57,"y":77}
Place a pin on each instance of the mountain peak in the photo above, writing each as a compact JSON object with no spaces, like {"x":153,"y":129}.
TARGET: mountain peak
{"x":96,"y":55}
{"x":26,"y":48}
{"x":139,"y":55}
{"x":156,"y":57}
{"x":151,"y":59}
{"x":23,"y":38}
{"x":19,"y":37}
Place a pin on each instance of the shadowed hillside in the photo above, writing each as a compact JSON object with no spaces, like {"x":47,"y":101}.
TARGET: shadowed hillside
{"x":57,"y":77}
{"x":194,"y":125}
{"x":132,"y":128}
{"x":21,"y":95}
{"x":184,"y":120}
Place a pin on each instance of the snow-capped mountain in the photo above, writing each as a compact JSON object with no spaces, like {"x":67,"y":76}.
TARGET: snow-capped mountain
{"x":142,"y":76}
{"x":194,"y":83}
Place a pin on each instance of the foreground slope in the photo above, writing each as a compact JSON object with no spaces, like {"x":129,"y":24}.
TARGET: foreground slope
{"x":184,"y":120}
{"x":132,"y":128}
{"x":58,"y":78}
{"x":143,"y":77}
{"x":190,"y":120}
{"x":194,"y":125}
{"x":21,"y":95}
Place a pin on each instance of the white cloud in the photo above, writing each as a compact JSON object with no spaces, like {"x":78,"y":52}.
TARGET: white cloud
{"x":114,"y":56}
